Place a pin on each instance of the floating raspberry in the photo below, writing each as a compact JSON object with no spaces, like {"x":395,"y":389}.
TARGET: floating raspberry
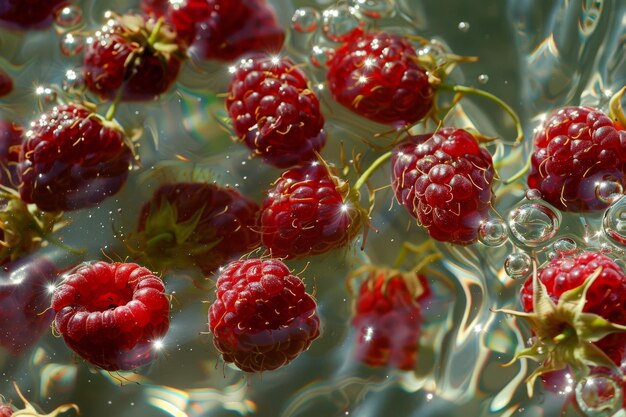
{"x":262,"y":318}
{"x":309,"y":211}
{"x":443,"y":179}
{"x":72,"y":159}
{"x":28,"y":14}
{"x":274,"y":112}
{"x":10,"y":141}
{"x":24,"y":302}
{"x":199,"y":224}
{"x":387,"y":318}
{"x":112,"y":314}
{"x":377,"y":76}
{"x":222,"y":29}
{"x":141,"y":56}
{"x":576,"y":149}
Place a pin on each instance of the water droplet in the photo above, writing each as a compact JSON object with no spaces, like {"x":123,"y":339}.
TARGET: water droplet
{"x":565,"y":246}
{"x":305,"y":19}
{"x":340,"y":24}
{"x":320,"y":55}
{"x":464,"y":26}
{"x":533,"y":224}
{"x":609,"y":191}
{"x":599,"y":395}
{"x":614,"y":222}
{"x":47,"y":94}
{"x":69,"y":16}
{"x":72,"y":44}
{"x":73,"y":81}
{"x":517,"y":265}
{"x":434,"y":50}
{"x":483,"y":78}
{"x":493,"y":232}
{"x":374,"y":9}
{"x":533,"y":194}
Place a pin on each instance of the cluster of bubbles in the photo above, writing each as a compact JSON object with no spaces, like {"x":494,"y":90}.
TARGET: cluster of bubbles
{"x":68,"y":19}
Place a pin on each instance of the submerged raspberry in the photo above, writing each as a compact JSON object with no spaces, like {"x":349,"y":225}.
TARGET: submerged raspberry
{"x":112,"y":314}
{"x":262,"y":318}
{"x":6,"y":83}
{"x":443,"y":179}
{"x":10,"y":141}
{"x":28,"y":14}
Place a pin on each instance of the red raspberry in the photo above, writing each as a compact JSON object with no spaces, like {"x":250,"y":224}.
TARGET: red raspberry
{"x":6,"y":83}
{"x":193,"y":223}
{"x":28,"y":14}
{"x":155,"y":66}
{"x":222,"y":29}
{"x":387,"y":318}
{"x":24,"y":302}
{"x":72,"y":159}
{"x":576,"y":148}
{"x":377,"y":76}
{"x":111,"y":314}
{"x":308,"y":212}
{"x":10,"y":141}
{"x":262,"y":318}
{"x":443,"y":179}
{"x":274,"y":112}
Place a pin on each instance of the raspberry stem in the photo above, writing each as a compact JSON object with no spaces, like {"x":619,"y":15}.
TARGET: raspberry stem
{"x":155,"y":32}
{"x":113,"y":108}
{"x":461,"y":89}
{"x":370,"y":170}
{"x":519,"y":174}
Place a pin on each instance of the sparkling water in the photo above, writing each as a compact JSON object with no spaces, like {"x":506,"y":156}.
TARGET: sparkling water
{"x":534,"y":54}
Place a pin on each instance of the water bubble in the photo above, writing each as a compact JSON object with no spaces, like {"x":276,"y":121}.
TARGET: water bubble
{"x":47,"y":94}
{"x":517,"y":265}
{"x":320,"y":55}
{"x":69,"y":16}
{"x":305,"y":19}
{"x":436,"y":51}
{"x":72,"y":44}
{"x":340,"y":24}
{"x":464,"y":26}
{"x":493,"y":232}
{"x":565,"y":246}
{"x":374,"y":9}
{"x":483,"y":78}
{"x":73,"y":81}
{"x":533,"y":224}
{"x":599,"y":396}
{"x":614,"y":222}
{"x":533,"y":194}
{"x":609,"y":191}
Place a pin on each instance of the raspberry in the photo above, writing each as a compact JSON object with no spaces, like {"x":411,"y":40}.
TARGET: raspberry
{"x":262,"y":318}
{"x":28,"y":14}
{"x":149,"y":72}
{"x":72,"y":159}
{"x":443,"y":179}
{"x":577,"y":148}
{"x":111,"y":314}
{"x":6,"y":83}
{"x":193,"y":223}
{"x":308,"y":212}
{"x":222,"y":29}
{"x":10,"y":141}
{"x":274,"y":112}
{"x":387,"y":318}
{"x":377,"y":76}
{"x":24,"y":313}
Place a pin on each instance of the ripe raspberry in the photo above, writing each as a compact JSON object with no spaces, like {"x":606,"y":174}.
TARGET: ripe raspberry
{"x":443,"y":179}
{"x":274,"y":112}
{"x":262,"y":318}
{"x":28,"y":14}
{"x":72,"y":159}
{"x":577,"y":148}
{"x":111,"y":314}
{"x":108,"y":64}
{"x":24,"y":302}
{"x":6,"y":83}
{"x":377,"y":76}
{"x":308,"y":212}
{"x":387,"y":318}
{"x":222,"y":29}
{"x":194,"y":223}
{"x":10,"y":141}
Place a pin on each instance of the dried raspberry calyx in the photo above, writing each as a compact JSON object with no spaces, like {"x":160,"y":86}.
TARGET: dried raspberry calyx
{"x":616,"y":112}
{"x":30,"y":411}
{"x":564,"y":334}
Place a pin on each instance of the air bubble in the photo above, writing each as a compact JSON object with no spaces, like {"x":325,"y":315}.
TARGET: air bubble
{"x":533,"y":194}
{"x":565,"y":246}
{"x":69,"y":16}
{"x":73,"y":81}
{"x":483,"y":78}
{"x":374,"y":9}
{"x":493,"y":232}
{"x":464,"y":26}
{"x":320,"y":55}
{"x":609,"y":191}
{"x":599,"y":396}
{"x":47,"y":94}
{"x":340,"y":24}
{"x":305,"y":20}
{"x":517,"y":265}
{"x":72,"y":44}
{"x":614,"y":222}
{"x":533,"y":224}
